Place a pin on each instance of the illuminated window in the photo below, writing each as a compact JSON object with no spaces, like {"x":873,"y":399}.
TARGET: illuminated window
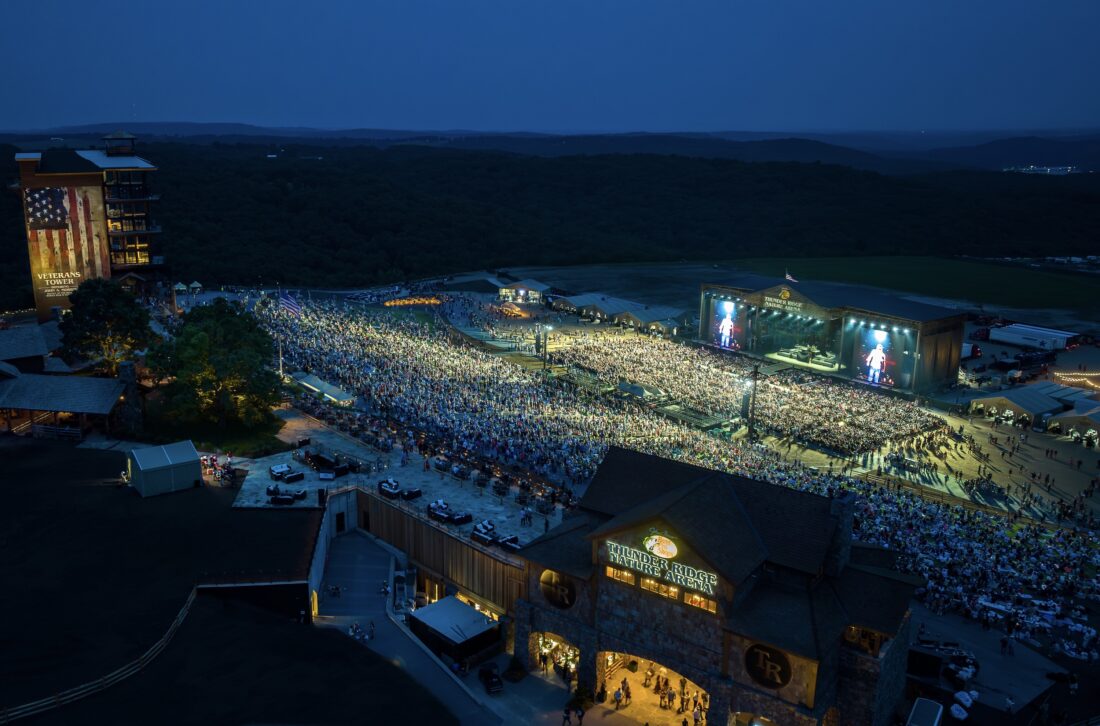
{"x":621,"y":575}
{"x":670,"y":591}
{"x":700,"y":602}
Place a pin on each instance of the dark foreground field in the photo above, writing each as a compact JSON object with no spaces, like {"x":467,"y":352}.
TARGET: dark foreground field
{"x":232,"y":664}
{"x":93,"y":575}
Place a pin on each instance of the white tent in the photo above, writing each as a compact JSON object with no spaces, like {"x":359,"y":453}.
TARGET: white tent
{"x":162,"y":469}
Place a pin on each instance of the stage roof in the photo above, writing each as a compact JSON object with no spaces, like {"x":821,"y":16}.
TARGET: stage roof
{"x":837,"y":295}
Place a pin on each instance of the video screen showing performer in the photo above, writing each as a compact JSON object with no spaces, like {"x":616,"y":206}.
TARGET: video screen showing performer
{"x":875,"y":357}
{"x":726,"y":327}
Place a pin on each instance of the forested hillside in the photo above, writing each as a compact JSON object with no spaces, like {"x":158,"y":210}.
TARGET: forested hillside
{"x":358,"y":215}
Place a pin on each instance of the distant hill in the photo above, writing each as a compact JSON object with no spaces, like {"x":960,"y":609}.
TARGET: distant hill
{"x":328,"y":215}
{"x":1082,"y":151}
{"x":697,"y":145}
{"x":883,"y":152}
{"x":710,"y":146}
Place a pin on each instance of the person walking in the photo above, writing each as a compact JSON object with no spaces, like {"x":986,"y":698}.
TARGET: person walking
{"x":580,"y":716}
{"x":618,"y":698}
{"x":566,"y":717}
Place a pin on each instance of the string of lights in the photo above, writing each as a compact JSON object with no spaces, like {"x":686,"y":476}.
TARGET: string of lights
{"x":1091,"y":380}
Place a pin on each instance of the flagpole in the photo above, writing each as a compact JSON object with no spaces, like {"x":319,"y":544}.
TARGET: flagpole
{"x":280,"y":302}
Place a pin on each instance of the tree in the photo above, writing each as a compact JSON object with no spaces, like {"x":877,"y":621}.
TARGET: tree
{"x":106,"y":323}
{"x":219,"y":365}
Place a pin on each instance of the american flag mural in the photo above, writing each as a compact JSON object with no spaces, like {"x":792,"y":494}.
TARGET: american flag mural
{"x":66,"y":240}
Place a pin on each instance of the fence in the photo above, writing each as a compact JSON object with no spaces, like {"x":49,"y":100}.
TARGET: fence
{"x":934,"y":495}
{"x":41,"y":431}
{"x":92,"y":687}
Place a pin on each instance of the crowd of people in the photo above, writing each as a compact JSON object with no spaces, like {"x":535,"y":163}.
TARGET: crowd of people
{"x":412,"y":373}
{"x":799,"y":406}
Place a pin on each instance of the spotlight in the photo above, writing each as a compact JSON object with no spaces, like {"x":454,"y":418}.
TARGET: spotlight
{"x":895,"y":328}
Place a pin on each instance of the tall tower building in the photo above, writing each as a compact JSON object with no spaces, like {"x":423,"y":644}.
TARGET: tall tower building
{"x":89,"y":214}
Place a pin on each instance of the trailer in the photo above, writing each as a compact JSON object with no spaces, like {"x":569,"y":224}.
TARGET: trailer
{"x":1026,"y":336}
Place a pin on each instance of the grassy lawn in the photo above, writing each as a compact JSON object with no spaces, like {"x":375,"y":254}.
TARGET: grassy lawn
{"x":242,"y":441}
{"x":995,"y":284}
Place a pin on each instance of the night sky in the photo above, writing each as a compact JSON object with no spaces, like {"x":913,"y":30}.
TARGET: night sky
{"x":594,"y":65}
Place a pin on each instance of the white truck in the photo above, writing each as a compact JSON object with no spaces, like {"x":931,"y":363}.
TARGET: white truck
{"x":1028,"y":336}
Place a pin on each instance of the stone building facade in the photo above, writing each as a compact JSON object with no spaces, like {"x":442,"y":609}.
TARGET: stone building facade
{"x":751,"y":592}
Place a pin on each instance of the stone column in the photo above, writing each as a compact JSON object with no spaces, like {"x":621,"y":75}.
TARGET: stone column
{"x":719,"y":713}
{"x":591,"y":670}
{"x":523,"y":648}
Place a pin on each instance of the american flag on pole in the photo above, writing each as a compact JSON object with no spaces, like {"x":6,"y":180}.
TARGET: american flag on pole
{"x":288,"y":303}
{"x":789,"y":277}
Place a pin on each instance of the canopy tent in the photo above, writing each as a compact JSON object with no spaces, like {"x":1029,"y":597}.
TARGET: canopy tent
{"x":161,"y":469}
{"x":1084,"y":417}
{"x":180,"y":287}
{"x":524,"y":291}
{"x":1021,"y":401}
{"x":652,"y":317}
{"x":452,"y":627}
{"x":1068,"y":395}
{"x":668,"y":326}
{"x":196,"y":286}
{"x":327,"y":391}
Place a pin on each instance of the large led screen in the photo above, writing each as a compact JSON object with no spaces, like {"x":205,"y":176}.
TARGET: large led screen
{"x":882,"y":356}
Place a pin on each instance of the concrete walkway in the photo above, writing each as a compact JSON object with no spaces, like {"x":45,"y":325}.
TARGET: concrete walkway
{"x":359,"y":566}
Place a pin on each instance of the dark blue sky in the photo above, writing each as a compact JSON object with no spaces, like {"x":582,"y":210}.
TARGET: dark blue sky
{"x":555,"y":65}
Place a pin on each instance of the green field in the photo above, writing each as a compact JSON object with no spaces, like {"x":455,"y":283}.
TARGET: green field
{"x":986,"y":282}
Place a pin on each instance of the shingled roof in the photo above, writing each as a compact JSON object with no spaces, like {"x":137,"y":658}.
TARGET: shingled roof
{"x":735,"y":525}
{"x":875,"y":597}
{"x":565,"y":548}
{"x":708,"y":515}
{"x":627,"y":477}
{"x":72,"y":394}
{"x":801,"y":619}
{"x":22,"y":341}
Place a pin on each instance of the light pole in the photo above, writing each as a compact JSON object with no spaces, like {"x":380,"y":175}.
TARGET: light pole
{"x":752,"y":401}
{"x":546,"y":347}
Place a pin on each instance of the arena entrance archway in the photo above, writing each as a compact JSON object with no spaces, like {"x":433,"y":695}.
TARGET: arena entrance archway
{"x":554,"y":656}
{"x":658,"y":694}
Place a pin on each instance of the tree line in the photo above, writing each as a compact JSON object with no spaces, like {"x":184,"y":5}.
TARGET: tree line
{"x":340,"y":216}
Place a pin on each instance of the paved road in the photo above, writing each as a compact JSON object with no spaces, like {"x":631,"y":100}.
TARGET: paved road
{"x":359,"y":566}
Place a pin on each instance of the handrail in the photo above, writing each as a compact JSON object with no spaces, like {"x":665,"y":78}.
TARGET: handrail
{"x":935,"y":495}
{"x":42,"y":705}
